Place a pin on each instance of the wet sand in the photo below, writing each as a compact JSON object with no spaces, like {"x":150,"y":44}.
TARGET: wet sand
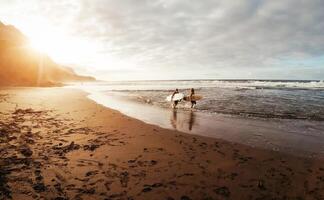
{"x":295,"y":136}
{"x":57,"y":144}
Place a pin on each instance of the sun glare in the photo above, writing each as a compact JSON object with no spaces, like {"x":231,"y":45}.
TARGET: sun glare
{"x":66,"y":48}
{"x":60,"y":47}
{"x":58,"y":44}
{"x":39,"y":45}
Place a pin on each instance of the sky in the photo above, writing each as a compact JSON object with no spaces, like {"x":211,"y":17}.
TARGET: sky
{"x":177,"y":39}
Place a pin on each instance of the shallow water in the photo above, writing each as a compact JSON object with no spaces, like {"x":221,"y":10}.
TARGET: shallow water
{"x":282,"y":116}
{"x":262,"y":99}
{"x":300,"y":137}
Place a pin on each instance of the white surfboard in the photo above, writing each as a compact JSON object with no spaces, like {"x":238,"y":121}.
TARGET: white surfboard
{"x":176,"y":97}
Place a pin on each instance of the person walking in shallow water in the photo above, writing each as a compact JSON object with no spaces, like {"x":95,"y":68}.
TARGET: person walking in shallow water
{"x":174,"y":103}
{"x":192,"y":93}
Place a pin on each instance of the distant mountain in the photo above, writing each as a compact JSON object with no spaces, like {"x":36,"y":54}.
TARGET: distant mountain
{"x":22,"y":66}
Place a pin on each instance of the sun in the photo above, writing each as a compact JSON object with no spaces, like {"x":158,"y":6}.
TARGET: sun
{"x":66,"y":47}
{"x":47,"y":41}
{"x":58,"y":44}
{"x":40,"y":45}
{"x":55,"y":45}
{"x":61,"y":47}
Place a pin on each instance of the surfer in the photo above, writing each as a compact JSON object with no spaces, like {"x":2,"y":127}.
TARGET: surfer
{"x":192,"y":93}
{"x":174,"y":103}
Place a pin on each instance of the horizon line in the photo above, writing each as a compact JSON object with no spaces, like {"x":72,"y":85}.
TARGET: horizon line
{"x":210,"y":79}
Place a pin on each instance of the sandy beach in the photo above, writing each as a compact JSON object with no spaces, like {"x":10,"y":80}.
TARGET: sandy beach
{"x":57,"y":144}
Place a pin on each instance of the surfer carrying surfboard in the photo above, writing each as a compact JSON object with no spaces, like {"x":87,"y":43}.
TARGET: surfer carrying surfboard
{"x":192,"y":93}
{"x":175,"y":98}
{"x":175,"y":103}
{"x":192,"y":98}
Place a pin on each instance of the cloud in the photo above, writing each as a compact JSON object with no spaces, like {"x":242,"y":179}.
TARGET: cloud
{"x":173,"y":36}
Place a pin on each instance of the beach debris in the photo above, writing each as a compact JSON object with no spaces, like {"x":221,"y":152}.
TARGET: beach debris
{"x":146,"y":163}
{"x":124,"y":178}
{"x":4,"y":187}
{"x":39,"y":187}
{"x":146,"y":189}
{"x":25,"y":150}
{"x":91,"y":173}
{"x":185,"y":198}
{"x":65,"y":149}
{"x":185,"y":174}
{"x":261,"y":185}
{"x":131,"y":161}
{"x":155,"y":185}
{"x":223,"y":191}
{"x":90,"y":147}
{"x":87,"y":191}
{"x":26,"y":111}
{"x":153,"y":162}
{"x":82,"y":130}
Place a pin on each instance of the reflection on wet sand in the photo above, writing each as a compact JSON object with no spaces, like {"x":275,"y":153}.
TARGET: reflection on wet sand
{"x":181,"y":121}
{"x":173,"y":119}
{"x":191,"y":119}
{"x":253,"y":132}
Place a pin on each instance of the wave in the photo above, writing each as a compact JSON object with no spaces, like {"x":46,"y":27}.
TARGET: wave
{"x":266,"y":115}
{"x":280,"y":104}
{"x":238,"y":84}
{"x":198,"y":84}
{"x":249,"y":98}
{"x":270,"y":84}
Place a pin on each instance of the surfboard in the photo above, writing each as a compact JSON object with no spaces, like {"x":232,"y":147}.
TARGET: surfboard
{"x":193,"y":98}
{"x":176,"y":97}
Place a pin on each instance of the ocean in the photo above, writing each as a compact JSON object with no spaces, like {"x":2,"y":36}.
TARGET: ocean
{"x":274,"y":114}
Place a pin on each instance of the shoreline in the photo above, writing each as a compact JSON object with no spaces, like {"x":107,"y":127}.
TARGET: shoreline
{"x":55,"y":142}
{"x":284,"y":135}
